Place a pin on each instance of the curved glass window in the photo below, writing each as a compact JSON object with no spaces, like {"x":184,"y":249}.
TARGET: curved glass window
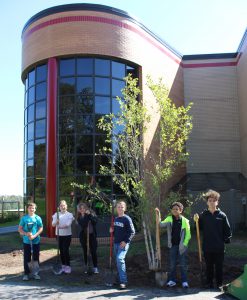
{"x":35,"y":136}
{"x":88,"y":88}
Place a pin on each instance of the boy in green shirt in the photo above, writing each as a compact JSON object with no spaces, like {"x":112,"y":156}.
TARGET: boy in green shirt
{"x":178,"y":234}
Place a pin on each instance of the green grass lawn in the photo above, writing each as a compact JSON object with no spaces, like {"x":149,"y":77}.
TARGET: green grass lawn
{"x":9,"y":223}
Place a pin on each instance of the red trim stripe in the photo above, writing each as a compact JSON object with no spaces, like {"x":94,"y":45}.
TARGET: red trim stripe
{"x":51,"y":144}
{"x":105,"y":21}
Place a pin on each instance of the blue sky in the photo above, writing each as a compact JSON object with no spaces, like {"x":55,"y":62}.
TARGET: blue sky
{"x":191,"y":27}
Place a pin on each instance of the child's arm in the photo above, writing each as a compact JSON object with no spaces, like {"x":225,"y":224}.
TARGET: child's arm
{"x":22,"y":232}
{"x":33,"y":236}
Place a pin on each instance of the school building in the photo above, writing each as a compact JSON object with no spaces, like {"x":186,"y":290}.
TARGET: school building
{"x":74,"y":58}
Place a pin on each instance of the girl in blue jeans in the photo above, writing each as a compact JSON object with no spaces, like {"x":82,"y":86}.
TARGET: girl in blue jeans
{"x":123,"y":233}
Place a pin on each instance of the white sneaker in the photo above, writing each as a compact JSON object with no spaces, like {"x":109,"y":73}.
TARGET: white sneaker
{"x":171,"y":283}
{"x":95,"y":271}
{"x":185,"y":284}
{"x":25,"y":277}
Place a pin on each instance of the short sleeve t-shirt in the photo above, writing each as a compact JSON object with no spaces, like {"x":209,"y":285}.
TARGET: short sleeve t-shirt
{"x":31,"y":224}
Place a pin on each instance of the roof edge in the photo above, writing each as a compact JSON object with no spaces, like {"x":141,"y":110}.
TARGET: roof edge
{"x":210,"y":56}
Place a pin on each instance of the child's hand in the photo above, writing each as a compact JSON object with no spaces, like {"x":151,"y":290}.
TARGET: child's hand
{"x":111,"y":229}
{"x":196,"y":217}
{"x":57,"y":223}
{"x":122,"y":244}
{"x":87,"y":212}
{"x":157,"y":210}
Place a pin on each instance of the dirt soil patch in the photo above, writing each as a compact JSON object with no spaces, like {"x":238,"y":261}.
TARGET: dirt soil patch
{"x":11,"y":269}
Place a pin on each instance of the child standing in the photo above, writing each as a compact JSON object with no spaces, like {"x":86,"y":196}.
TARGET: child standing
{"x":123,"y":233}
{"x":30,"y":228}
{"x":63,"y":231}
{"x":87,"y":217}
{"x":178,"y":234}
{"x":216,"y":232}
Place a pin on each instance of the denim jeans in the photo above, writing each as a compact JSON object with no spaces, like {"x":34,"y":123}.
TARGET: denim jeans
{"x":120,"y":260}
{"x":182,"y":260}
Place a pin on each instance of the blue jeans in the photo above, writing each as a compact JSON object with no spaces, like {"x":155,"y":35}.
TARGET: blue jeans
{"x":182,"y":260}
{"x":120,"y":260}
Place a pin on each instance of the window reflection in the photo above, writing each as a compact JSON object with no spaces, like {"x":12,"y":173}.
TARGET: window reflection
{"x":40,"y":128}
{"x":30,"y":131}
{"x":41,"y":91}
{"x":39,"y":157}
{"x":85,"y":85}
{"x":30,"y":150}
{"x":30,"y":113}
{"x":31,"y":78}
{"x":31,"y":93}
{"x":118,"y":70}
{"x":66,"y":124}
{"x":84,"y":104}
{"x":67,"y":67}
{"x":102,"y":86}
{"x":84,"y":164}
{"x":67,"y":86}
{"x":100,"y":143}
{"x":41,"y":73}
{"x":117,"y":86}
{"x":84,"y":144}
{"x":40,"y":109}
{"x":84,"y":66}
{"x":102,"y":67}
{"x":85,"y":124}
{"x":30,"y":168}
{"x":66,"y":105}
{"x":102,"y":105}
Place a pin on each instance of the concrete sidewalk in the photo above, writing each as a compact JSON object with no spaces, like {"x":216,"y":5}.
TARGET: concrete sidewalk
{"x":31,"y":290}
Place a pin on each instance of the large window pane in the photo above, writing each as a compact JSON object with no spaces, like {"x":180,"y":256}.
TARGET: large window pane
{"x":84,"y":104}
{"x":117,"y":86}
{"x":67,"y":67}
{"x":41,"y":73}
{"x":84,"y":164}
{"x":40,"y":158}
{"x":84,"y":66}
{"x":118,"y":70}
{"x":40,"y":128}
{"x":31,"y":93}
{"x":30,"y":113}
{"x":85,"y":124}
{"x":101,"y":160}
{"x":30,"y":168}
{"x":40,"y":109}
{"x":67,"y":86}
{"x":115,"y":106}
{"x":30,"y":150}
{"x":85,"y":85}
{"x":84,"y":144}
{"x":41,"y":91}
{"x":104,"y":183}
{"x":66,"y":105}
{"x":30,"y":131}
{"x":67,"y":144}
{"x":102,"y":105}
{"x":66,"y":164}
{"x":31,"y":78}
{"x":102,"y":86}
{"x":66,"y":124}
{"x":102,"y":67}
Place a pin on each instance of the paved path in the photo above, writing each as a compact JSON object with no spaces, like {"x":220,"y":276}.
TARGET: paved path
{"x":31,"y":290}
{"x":8,"y":229}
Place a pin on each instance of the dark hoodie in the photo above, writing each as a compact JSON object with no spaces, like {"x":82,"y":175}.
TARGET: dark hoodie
{"x":216,"y":230}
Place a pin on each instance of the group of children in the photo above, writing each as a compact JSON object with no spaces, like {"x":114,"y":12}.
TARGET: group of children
{"x":123,"y":231}
{"x":213,"y":224}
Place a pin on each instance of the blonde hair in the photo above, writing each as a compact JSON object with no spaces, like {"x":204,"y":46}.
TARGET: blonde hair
{"x":212,"y":194}
{"x":122,"y":202}
{"x":63,"y":202}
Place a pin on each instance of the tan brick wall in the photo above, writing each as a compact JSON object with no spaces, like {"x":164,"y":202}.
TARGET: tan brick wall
{"x":242,"y":93}
{"x":214,"y":144}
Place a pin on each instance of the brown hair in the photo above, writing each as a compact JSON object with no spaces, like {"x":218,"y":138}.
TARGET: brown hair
{"x":179,"y":204}
{"x":31,"y":204}
{"x":122,"y":202}
{"x":212,"y":194}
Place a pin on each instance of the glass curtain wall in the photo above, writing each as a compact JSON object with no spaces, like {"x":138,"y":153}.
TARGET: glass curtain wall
{"x":88,"y":88}
{"x":35,"y":137}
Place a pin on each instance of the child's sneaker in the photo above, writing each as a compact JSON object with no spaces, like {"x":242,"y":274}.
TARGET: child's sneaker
{"x":63,"y":268}
{"x":25,"y":277}
{"x":95,"y":271}
{"x":36,"y":276}
{"x":122,"y":286}
{"x":67,"y":270}
{"x":171,"y":283}
{"x":185,"y":284}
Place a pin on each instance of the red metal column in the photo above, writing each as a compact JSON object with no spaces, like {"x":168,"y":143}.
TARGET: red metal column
{"x":51,"y":144}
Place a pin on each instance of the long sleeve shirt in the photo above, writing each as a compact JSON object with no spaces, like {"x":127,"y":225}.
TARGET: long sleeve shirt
{"x":65,"y":221}
{"x":123,"y":229}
